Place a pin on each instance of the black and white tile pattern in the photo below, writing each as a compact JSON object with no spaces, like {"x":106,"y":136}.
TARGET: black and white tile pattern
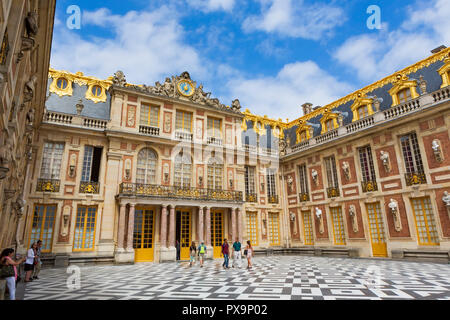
{"x":273,"y":278}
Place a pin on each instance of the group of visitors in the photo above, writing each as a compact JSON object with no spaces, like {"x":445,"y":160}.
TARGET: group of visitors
{"x":9,"y":267}
{"x":200,"y":252}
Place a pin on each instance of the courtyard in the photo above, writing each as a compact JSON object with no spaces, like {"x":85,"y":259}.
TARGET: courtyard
{"x":272,"y":278}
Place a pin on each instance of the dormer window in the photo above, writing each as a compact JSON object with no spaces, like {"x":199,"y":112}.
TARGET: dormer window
{"x":329,"y":121}
{"x":444,"y":72}
{"x":404,"y":95}
{"x":329,"y":125}
{"x":62,"y":83}
{"x":304,"y":131}
{"x":362,"y":107}
{"x":303,"y":136}
{"x":363,"y":111}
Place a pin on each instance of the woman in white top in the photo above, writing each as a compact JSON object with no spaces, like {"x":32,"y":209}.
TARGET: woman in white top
{"x":29,"y":263}
{"x":249,"y":250}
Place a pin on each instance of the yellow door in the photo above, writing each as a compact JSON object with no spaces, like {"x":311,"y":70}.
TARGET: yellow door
{"x":252,"y":228}
{"x":143,"y":235}
{"x":185,"y":236}
{"x":308,"y":228}
{"x":217,"y":232}
{"x":338,"y":226}
{"x":274,"y":229}
{"x":377,"y":235}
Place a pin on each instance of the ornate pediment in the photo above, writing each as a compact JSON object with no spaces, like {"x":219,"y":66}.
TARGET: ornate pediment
{"x":179,"y":87}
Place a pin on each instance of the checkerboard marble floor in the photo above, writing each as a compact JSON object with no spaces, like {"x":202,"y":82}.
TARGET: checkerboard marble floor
{"x":273,"y":278}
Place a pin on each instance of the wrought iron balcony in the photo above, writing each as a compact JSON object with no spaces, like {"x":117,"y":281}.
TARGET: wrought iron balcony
{"x":89,"y":187}
{"x":369,"y":186}
{"x":273,"y":199}
{"x":304,"y":197}
{"x":48,"y":185}
{"x":214,"y":141}
{"x":415,"y":178}
{"x":149,"y":131}
{"x":333,"y":192}
{"x":251,"y":197}
{"x":183,"y":193}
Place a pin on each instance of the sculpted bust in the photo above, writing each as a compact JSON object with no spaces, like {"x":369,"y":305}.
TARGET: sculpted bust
{"x":346,"y":169}
{"x":446,"y":199}
{"x":318,"y":213}
{"x":384,"y":157}
{"x":314,"y":175}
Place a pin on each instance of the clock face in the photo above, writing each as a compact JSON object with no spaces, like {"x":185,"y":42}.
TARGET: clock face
{"x":186,"y":88}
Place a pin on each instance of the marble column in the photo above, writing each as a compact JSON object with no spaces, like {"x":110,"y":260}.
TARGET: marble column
{"x":233,"y":225}
{"x":121,"y":231}
{"x":240,"y":227}
{"x":172,"y":227}
{"x":208,"y":227}
{"x":201,"y":233}
{"x":130,"y":228}
{"x":164,"y":226}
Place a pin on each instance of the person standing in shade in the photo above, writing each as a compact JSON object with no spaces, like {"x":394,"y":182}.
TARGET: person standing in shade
{"x":201,"y":253}
{"x":237,"y":254}
{"x":226,"y":254}
{"x":10,"y":274}
{"x":249,"y":253}
{"x":37,"y":261}
{"x":29,"y":263}
{"x":177,"y":246}
{"x":192,"y":253}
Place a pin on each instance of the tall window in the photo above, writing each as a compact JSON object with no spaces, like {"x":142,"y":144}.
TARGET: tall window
{"x":404,"y":95}
{"x":146,"y":167}
{"x":252,"y":228}
{"x":183,"y":170}
{"x":184,"y":121}
{"x":330,"y":164}
{"x":149,"y":115}
{"x":303,"y":136}
{"x":84,"y":236}
{"x":214,"y":128}
{"x":271,"y":185}
{"x":363,"y":111}
{"x":411,"y":153}
{"x":338,"y":226}
{"x":51,"y":160}
{"x":250,"y":189}
{"x":43,"y":226}
{"x":215,"y":174}
{"x":91,"y":164}
{"x":425,"y":222}
{"x":303,"y":179}
{"x":329,"y":125}
{"x":366,"y":160}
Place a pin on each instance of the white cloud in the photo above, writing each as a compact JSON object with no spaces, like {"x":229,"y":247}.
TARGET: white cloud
{"x":146,"y":46}
{"x":296,"y":18}
{"x":376,"y":55}
{"x":213,"y":5}
{"x":283,"y":95}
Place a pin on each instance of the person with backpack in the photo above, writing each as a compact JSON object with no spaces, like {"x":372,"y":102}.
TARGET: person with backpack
{"x":8,"y":271}
{"x":226,"y":254}
{"x":192,"y":253}
{"x":237,"y":254}
{"x":201,"y":253}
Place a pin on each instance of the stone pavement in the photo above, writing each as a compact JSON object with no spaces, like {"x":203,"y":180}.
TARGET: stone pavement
{"x":273,"y":278}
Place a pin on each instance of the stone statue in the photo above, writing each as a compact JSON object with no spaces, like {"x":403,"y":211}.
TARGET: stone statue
{"x":168,"y":88}
{"x":437,"y":150}
{"x":384,"y":157}
{"x":352,"y":214}
{"x":423,"y":85}
{"x":30,"y":86}
{"x":119,"y":79}
{"x":315,"y":176}
{"x":393,"y":206}
{"x":446,"y":199}
{"x":346,"y":169}
{"x":30,"y":117}
{"x":290,"y":182}
{"x":158,"y":88}
{"x":236,"y":105}
{"x":320,"y":218}
{"x":282,"y":147}
{"x":31,"y":24}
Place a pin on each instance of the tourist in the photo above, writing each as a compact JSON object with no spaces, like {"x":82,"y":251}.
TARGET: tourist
{"x":29,"y":263}
{"x":177,"y":246}
{"x":37,"y":260}
{"x":237,"y":254}
{"x":9,"y":271}
{"x":249,"y":253}
{"x":225,"y":253}
{"x":193,"y":253}
{"x":201,"y":253}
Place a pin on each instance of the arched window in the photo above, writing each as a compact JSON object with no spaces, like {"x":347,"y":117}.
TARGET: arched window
{"x":404,"y":95}
{"x":183,"y":170}
{"x":329,"y":125}
{"x":363,"y":111}
{"x":146,"y":167}
{"x":215,"y":174}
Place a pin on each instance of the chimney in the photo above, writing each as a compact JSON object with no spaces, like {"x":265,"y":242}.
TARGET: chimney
{"x":307,"y":108}
{"x":438,"y":49}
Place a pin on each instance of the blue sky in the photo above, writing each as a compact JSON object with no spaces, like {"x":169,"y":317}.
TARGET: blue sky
{"x":273,"y":55}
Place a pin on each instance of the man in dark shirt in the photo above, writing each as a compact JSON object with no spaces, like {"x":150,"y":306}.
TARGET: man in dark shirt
{"x":226,"y":253}
{"x":237,"y":256}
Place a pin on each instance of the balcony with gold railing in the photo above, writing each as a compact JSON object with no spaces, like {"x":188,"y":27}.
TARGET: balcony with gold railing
{"x":333,"y":192}
{"x":48,"y":185}
{"x":304,"y":197}
{"x":273,"y":199}
{"x":251,"y":197}
{"x":415,"y":178}
{"x":369,"y":186}
{"x":179,"y":193}
{"x":89,"y":187}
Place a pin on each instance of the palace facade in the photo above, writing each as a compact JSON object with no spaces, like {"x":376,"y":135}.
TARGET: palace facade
{"x":26,"y":29}
{"x":123,"y":173}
